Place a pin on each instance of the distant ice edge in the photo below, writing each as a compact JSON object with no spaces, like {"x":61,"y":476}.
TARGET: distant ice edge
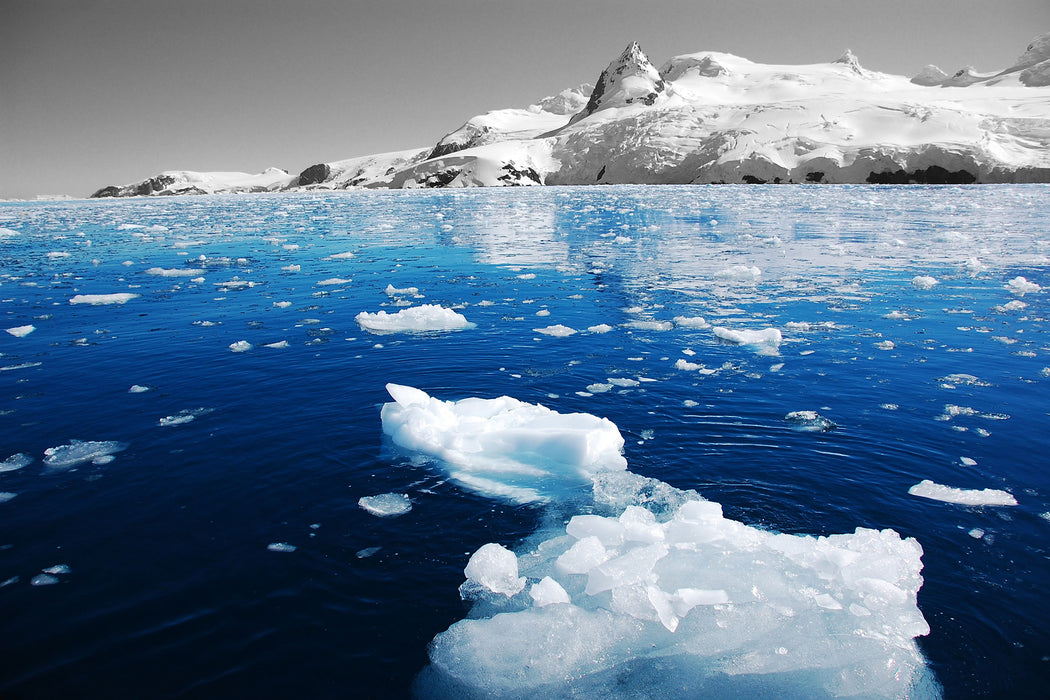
{"x":649,"y":591}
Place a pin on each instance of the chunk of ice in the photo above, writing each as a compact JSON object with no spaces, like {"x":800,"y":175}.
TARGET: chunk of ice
{"x":504,"y":447}
{"x":493,"y":569}
{"x":1021,"y":286}
{"x":103,"y":299}
{"x":21,"y":331}
{"x":77,"y":452}
{"x":386,"y":505}
{"x":809,"y":421}
{"x":392,"y":291}
{"x":240,"y":346}
{"x":691,"y":322}
{"x":967,"y":497}
{"x":768,"y":338}
{"x":548,"y":592}
{"x":558,"y":331}
{"x":176,"y":272}
{"x":138,"y":389}
{"x":6,"y":496}
{"x":924,"y":282}
{"x":15,"y":461}
{"x":428,"y":317}
{"x":600,"y":328}
{"x":281,"y":547}
{"x":333,"y":282}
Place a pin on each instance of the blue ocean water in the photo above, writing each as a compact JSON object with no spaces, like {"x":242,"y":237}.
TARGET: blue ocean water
{"x":903,"y":322}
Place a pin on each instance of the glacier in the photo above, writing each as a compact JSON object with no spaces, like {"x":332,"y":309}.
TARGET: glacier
{"x":713,"y":117}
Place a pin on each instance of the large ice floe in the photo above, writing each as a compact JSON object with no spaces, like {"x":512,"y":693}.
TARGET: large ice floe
{"x":649,"y":590}
{"x":428,"y":317}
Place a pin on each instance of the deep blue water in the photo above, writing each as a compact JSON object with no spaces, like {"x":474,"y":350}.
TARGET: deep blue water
{"x":171,"y":590}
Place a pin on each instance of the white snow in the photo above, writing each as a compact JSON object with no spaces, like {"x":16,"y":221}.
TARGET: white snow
{"x":21,"y":331}
{"x":968,"y":497}
{"x":386,"y":505}
{"x":77,"y":452}
{"x":103,"y":299}
{"x":428,"y":317}
{"x":503,"y":447}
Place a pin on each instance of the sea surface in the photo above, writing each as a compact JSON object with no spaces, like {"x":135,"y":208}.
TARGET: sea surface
{"x":212,"y":544}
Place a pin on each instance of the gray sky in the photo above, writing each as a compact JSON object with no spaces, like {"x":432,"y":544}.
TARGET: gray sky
{"x":103,"y":92}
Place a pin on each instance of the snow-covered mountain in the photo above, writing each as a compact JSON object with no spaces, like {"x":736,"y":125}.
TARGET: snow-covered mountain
{"x":713,"y":117}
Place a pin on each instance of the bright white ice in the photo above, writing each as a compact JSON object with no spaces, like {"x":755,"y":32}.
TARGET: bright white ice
{"x":386,"y":505}
{"x":967,"y":497}
{"x":21,"y":331}
{"x":103,"y":299}
{"x":428,"y":317}
{"x":77,"y":452}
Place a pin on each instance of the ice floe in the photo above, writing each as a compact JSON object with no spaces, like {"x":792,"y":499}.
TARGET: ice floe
{"x":503,"y":447}
{"x":183,"y":417}
{"x":924,"y":282}
{"x":809,"y":421}
{"x":281,"y":547}
{"x":558,"y":331}
{"x":15,"y":462}
{"x":1021,"y":286}
{"x":333,"y":281}
{"x":240,"y":346}
{"x":78,"y":452}
{"x":968,"y":497}
{"x":103,"y":299}
{"x":21,"y":331}
{"x":176,"y":272}
{"x":428,"y":317}
{"x":767,"y":339}
{"x":392,"y":291}
{"x":691,"y":322}
{"x":6,"y":496}
{"x":386,"y":505}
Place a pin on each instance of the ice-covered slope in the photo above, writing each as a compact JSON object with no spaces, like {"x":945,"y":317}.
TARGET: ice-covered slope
{"x":714,"y":117}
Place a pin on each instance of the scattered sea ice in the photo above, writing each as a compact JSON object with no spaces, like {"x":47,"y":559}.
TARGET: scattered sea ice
{"x":599,"y":388}
{"x":15,"y":461}
{"x":392,"y":291}
{"x":691,"y":322}
{"x":339,"y":256}
{"x":885,"y":345}
{"x":21,"y":331}
{"x":6,"y":496}
{"x":924,"y":282}
{"x":138,"y":389}
{"x":43,"y":580}
{"x":558,"y":331}
{"x":333,"y":281}
{"x":58,"y":569}
{"x":279,"y":345}
{"x":77,"y":452}
{"x":103,"y":299}
{"x":769,"y":338}
{"x":281,"y":547}
{"x":182,"y":417}
{"x":240,"y":346}
{"x":600,"y":328}
{"x":1021,"y":286}
{"x":809,"y":421}
{"x":649,"y":325}
{"x":428,"y":317}
{"x":367,"y":552}
{"x":282,"y":304}
{"x":967,"y":497}
{"x":386,"y":505}
{"x":177,"y":272}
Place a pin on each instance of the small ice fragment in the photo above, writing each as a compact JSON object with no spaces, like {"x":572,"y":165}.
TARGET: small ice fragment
{"x":240,"y":346}
{"x":281,"y":547}
{"x":885,"y":345}
{"x":599,"y":388}
{"x":548,"y":592}
{"x":689,"y":403}
{"x":333,"y":281}
{"x":103,"y":299}
{"x":58,"y":569}
{"x":492,"y":568}
{"x":386,"y":505}
{"x":177,"y":272}
{"x":649,"y":325}
{"x":103,"y":459}
{"x":769,"y":337}
{"x":279,"y":345}
{"x":558,"y":331}
{"x":21,"y":331}
{"x":600,"y":328}
{"x":968,"y":461}
{"x":543,"y":312}
{"x":392,"y":291}
{"x":428,"y":317}
{"x":6,"y":496}
{"x":691,"y":322}
{"x":367,"y":552}
{"x":339,"y":256}
{"x":924,"y":282}
{"x":1021,"y":286}
{"x":57,"y":254}
{"x":291,"y":268}
{"x":15,"y":461}
{"x":138,"y":389}
{"x":282,"y":304}
{"x":739,"y":272}
{"x":182,"y":417}
{"x":77,"y":452}
{"x":43,"y":580}
{"x":967,"y":497}
{"x":622,"y":381}
{"x":809,"y":421}
{"x":976,"y":533}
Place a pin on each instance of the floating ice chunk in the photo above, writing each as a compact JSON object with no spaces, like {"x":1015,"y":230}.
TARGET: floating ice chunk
{"x":291,"y":268}
{"x":885,"y":345}
{"x":386,"y":505}
{"x":741,"y":273}
{"x":15,"y":461}
{"x":333,"y":281}
{"x":548,"y":592}
{"x":6,"y":496}
{"x":558,"y":331}
{"x":366,"y":552}
{"x":691,"y":322}
{"x":21,"y":331}
{"x":649,"y":325}
{"x":138,"y":389}
{"x":1015,"y":305}
{"x":240,"y":346}
{"x":279,"y":345}
{"x":183,"y":417}
{"x":103,"y":299}
{"x":281,"y":547}
{"x":58,"y":569}
{"x":809,"y":421}
{"x":177,"y":272}
{"x":504,"y":447}
{"x":599,"y":388}
{"x":43,"y":580}
{"x":768,"y":339}
{"x":494,"y":569}
{"x":543,"y":312}
{"x":234,"y":285}
{"x":600,"y":328}
{"x":282,"y":304}
{"x":924,"y":282}
{"x":1021,"y":286}
{"x":967,"y":497}
{"x":339,"y":256}
{"x":687,"y":366}
{"x":77,"y":452}
{"x":625,"y":382}
{"x":22,"y":365}
{"x":392,"y":291}
{"x":57,"y":255}
{"x":428,"y":317}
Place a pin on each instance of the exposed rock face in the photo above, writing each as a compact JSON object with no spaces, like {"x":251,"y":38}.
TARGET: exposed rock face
{"x":315,"y":174}
{"x":631,"y":78}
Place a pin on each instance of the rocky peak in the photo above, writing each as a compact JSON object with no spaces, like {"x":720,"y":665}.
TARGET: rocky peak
{"x":849,"y":59}
{"x":630,"y":79}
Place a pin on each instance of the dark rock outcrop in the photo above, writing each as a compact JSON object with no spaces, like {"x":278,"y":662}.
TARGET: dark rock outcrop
{"x":315,"y":174}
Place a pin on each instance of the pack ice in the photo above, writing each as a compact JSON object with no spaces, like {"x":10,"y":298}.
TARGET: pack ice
{"x":650,"y":591}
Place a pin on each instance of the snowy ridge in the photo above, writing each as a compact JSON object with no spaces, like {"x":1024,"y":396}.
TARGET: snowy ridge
{"x":713,"y":117}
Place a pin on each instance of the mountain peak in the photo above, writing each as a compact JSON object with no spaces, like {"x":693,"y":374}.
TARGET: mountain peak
{"x":629,"y":79}
{"x":849,"y":59}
